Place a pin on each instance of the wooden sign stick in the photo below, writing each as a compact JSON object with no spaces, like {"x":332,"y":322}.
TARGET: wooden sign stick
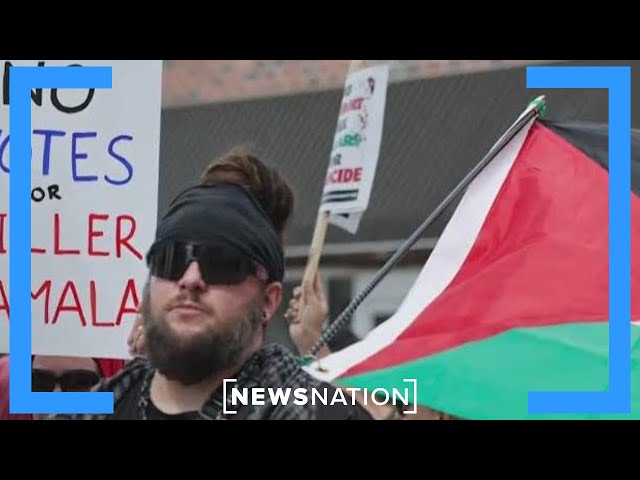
{"x":322,"y":222}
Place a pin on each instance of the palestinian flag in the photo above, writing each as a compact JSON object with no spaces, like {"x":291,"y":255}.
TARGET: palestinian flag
{"x":514,"y":298}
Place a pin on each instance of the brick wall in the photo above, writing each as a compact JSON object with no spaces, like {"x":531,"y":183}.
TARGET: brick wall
{"x":189,"y":82}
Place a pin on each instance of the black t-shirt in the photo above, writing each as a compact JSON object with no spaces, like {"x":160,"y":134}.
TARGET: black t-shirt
{"x":157,"y":414}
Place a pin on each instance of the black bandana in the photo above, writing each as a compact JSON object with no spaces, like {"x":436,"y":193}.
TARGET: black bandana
{"x":223,"y":215}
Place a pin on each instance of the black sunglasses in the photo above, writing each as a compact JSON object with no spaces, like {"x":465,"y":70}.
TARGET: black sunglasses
{"x":69,"y":381}
{"x":217,"y":265}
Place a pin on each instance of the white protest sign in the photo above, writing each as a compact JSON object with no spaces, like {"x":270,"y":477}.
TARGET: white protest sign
{"x":356,"y":147}
{"x":94,"y":180}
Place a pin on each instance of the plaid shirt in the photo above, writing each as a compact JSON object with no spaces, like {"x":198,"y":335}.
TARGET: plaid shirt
{"x":271,"y":367}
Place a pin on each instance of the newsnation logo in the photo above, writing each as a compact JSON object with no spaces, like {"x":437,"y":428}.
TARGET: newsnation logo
{"x":260,"y":396}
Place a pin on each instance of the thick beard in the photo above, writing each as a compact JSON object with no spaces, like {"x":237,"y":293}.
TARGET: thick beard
{"x":194,"y":359}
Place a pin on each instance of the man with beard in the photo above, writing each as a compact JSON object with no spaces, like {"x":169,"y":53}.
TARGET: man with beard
{"x":216,"y":269}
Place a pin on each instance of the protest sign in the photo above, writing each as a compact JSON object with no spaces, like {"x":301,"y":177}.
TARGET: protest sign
{"x":94,"y":174}
{"x":356,"y":147}
{"x":354,"y":156}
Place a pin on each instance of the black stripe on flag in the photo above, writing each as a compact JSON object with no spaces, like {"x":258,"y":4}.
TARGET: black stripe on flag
{"x":340,"y":196}
{"x":593,"y":140}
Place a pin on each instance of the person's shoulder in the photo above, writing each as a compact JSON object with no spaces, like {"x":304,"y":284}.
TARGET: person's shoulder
{"x":132,"y":369}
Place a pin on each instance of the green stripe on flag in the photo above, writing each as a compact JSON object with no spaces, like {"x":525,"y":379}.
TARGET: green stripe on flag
{"x":490,"y":379}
